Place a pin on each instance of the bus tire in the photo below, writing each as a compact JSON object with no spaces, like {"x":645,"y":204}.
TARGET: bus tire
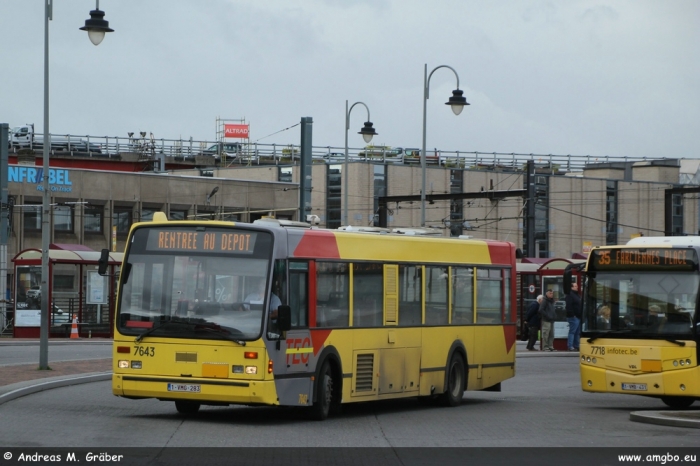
{"x":455,"y":379}
{"x":187,"y":408}
{"x":678,"y":402}
{"x":324,"y":393}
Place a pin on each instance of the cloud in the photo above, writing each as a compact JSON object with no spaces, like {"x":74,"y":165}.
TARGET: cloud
{"x":579,"y":77}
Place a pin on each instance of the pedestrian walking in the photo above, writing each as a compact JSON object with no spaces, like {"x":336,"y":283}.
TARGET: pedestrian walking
{"x":548,"y":316}
{"x":573,"y":317}
{"x":533,"y":323}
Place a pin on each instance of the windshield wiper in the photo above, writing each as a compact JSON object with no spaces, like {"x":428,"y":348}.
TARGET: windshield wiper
{"x":673,"y":340}
{"x":213,"y":328}
{"x":210,"y":327}
{"x":611,"y":332}
{"x":149,"y":331}
{"x":630,"y":330}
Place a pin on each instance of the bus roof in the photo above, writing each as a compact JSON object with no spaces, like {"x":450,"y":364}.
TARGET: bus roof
{"x":338,"y":244}
{"x":664,"y":241}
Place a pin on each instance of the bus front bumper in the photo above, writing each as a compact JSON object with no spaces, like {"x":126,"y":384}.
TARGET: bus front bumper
{"x":602,"y":380}
{"x":203,"y":390}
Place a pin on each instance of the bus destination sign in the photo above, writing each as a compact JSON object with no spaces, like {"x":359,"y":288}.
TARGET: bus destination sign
{"x":220,"y":241}
{"x":685,"y":259}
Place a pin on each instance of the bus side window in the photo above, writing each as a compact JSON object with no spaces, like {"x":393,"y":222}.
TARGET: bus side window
{"x":436,"y":295}
{"x":368,"y":294}
{"x":410,"y":295}
{"x":332,"y":297}
{"x":462,"y":295}
{"x":488,"y":296}
{"x":299,"y":293}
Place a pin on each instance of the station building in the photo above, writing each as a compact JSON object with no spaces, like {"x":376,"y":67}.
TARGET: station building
{"x":94,"y":205}
{"x":604,"y":203}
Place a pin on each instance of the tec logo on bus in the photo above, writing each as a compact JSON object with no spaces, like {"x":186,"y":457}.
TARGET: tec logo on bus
{"x":298,"y":350}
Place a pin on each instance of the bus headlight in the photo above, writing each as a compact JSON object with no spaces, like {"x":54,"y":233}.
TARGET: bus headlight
{"x":251,"y":369}
{"x":136,"y":364}
{"x":122,"y":364}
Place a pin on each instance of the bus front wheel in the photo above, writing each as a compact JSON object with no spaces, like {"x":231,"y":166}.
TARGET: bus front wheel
{"x":188,"y":408}
{"x":456,"y":375}
{"x":324,"y":393}
{"x":678,"y":402}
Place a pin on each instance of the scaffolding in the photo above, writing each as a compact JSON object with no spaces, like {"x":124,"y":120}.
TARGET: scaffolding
{"x":245,"y":151}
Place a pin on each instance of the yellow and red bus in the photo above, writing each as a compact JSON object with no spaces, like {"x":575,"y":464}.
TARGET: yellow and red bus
{"x":640,"y":318}
{"x":344,"y":317}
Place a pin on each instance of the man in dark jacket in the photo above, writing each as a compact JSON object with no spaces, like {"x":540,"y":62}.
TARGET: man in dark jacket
{"x":533,"y":323}
{"x":548,"y":315}
{"x":573,"y":316}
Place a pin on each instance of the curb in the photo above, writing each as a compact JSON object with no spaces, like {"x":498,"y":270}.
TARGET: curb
{"x":547,"y":354}
{"x":89,"y":341}
{"x":21,"y":389}
{"x":668,"y":418}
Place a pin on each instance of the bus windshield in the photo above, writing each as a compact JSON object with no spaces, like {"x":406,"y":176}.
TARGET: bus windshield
{"x":193,"y":291}
{"x":641,"y":303}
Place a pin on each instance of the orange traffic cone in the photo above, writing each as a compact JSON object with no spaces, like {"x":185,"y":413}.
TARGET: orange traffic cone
{"x":74,"y":327}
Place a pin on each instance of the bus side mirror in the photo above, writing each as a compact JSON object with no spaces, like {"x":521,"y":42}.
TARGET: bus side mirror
{"x":568,"y":274}
{"x":103,"y":262}
{"x":284,"y":317}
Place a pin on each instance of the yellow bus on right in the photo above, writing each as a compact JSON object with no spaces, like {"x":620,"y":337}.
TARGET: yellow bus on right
{"x":639,"y":325}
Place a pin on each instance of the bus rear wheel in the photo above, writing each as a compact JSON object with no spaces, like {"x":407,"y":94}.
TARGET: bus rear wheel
{"x":187,"y":408}
{"x":456,"y":375}
{"x":678,"y":402}
{"x":324,"y":393}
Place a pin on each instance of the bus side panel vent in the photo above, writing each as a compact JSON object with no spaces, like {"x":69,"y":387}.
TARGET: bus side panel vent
{"x":364,"y":374}
{"x":391,"y":293}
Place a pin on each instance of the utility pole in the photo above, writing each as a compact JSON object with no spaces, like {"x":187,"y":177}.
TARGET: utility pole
{"x":305,"y":168}
{"x":4,"y":223}
{"x":530,"y":210}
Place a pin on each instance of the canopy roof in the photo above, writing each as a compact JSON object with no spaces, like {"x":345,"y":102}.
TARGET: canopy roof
{"x":77,"y":255}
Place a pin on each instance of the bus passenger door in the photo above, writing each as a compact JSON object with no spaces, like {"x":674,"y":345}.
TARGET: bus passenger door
{"x":299,"y":344}
{"x":298,"y":356}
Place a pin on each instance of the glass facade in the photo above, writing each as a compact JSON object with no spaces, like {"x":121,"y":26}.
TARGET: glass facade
{"x":92,"y":219}
{"x":380,"y":183}
{"x":611,"y":213}
{"x":456,"y":205}
{"x":334,"y":200}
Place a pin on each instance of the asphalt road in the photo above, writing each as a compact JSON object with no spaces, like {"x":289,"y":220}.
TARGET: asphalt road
{"x":15,"y":352}
{"x":543,"y":406}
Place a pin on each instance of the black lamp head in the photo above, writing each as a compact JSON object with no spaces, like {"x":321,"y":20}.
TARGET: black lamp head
{"x":457,"y":101}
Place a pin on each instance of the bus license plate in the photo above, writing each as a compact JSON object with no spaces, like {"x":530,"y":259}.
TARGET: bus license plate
{"x":180,"y":387}
{"x":637,"y":387}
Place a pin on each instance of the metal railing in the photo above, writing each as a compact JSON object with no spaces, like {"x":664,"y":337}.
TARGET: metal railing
{"x":253,"y":153}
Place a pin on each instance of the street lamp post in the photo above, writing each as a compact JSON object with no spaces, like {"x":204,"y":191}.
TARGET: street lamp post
{"x":96,"y":28}
{"x":367,"y":133}
{"x":457,"y":103}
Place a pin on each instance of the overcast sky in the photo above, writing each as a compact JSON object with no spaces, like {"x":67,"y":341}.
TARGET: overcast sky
{"x":618,"y":78}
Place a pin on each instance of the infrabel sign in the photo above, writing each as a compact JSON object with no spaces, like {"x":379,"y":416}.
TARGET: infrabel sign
{"x":59,"y":179}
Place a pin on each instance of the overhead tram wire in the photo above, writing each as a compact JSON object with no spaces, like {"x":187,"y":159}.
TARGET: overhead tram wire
{"x":276,"y":132}
{"x":636,"y":227}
